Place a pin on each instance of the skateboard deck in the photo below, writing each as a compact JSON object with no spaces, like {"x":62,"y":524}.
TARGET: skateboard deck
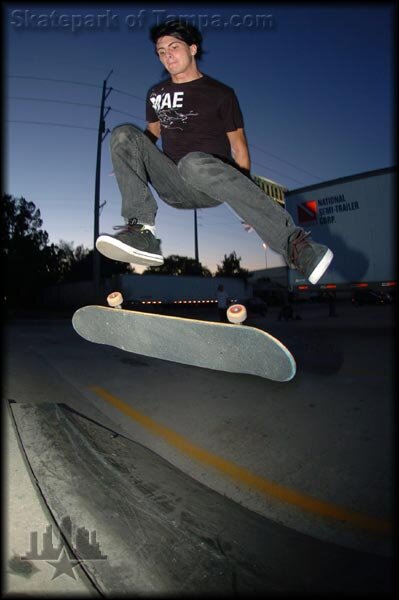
{"x":211,"y":345}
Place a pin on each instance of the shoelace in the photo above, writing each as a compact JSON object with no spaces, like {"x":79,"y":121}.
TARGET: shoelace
{"x":131,"y":225}
{"x":297,"y":244}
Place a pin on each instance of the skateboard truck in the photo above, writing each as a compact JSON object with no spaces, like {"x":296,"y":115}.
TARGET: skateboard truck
{"x":115,"y":300}
{"x":237,"y":313}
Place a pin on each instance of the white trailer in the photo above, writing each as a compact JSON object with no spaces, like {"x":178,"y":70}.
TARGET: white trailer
{"x":170,"y":289}
{"x":356,"y":217}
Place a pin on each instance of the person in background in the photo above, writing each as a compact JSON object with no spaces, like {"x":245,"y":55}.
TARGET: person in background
{"x":223,"y":303}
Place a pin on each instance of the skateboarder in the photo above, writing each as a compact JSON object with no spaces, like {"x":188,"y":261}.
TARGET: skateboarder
{"x":204,"y":162}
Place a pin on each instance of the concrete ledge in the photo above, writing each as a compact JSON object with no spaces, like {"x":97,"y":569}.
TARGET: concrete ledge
{"x":26,"y":512}
{"x":163,"y":532}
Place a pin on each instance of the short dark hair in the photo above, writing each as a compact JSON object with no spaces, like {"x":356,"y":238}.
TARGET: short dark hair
{"x":180,"y":30}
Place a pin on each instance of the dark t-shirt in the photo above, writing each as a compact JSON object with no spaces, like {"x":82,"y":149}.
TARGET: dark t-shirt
{"x":194,"y":116}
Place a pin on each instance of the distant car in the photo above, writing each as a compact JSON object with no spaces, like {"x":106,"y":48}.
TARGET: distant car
{"x":254,"y":305}
{"x":361,"y":297}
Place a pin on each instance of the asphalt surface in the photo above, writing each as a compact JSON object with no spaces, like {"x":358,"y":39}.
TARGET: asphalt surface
{"x":312,"y":458}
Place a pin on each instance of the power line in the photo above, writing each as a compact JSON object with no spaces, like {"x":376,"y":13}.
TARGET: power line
{"x":73,"y":104}
{"x":127,"y":114}
{"x":123,"y":92}
{"x":278,"y":172}
{"x":283,"y":160}
{"x":117,"y":73}
{"x":39,"y":58}
{"x":55,"y":101}
{"x":51,"y":124}
{"x":128,"y":94}
{"x":52,"y":79}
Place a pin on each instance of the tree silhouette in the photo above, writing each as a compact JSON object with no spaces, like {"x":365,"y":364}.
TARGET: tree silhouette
{"x":77,"y":264}
{"x":179,"y":265}
{"x":31,"y":263}
{"x":231,"y":267}
{"x":29,"y":259}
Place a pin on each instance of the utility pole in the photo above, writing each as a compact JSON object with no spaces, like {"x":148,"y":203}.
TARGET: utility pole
{"x":196,"y":237}
{"x":101,"y":136}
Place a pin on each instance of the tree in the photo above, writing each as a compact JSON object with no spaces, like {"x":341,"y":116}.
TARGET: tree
{"x":32,"y":263}
{"x":25,"y":250}
{"x":231,"y":267}
{"x":77,"y":264}
{"x":21,"y":220}
{"x":179,"y":265}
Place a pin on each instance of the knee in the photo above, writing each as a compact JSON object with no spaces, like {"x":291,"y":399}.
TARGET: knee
{"x":126,"y":132}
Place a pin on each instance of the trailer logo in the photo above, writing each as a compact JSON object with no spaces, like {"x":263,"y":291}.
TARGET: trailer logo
{"x":307,"y":212}
{"x":325,"y":211}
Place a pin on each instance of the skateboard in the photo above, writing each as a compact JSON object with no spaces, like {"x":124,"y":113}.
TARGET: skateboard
{"x":231,"y":347}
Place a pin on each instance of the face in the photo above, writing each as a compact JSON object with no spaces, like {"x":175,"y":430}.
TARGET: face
{"x":176,"y":56}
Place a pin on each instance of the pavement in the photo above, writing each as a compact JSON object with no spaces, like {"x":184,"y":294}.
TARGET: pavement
{"x":314,"y":455}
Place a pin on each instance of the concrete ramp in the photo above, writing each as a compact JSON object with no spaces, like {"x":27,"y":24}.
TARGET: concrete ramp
{"x":139,"y":525}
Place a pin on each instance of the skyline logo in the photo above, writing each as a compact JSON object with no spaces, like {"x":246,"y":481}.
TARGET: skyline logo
{"x":61,"y":557}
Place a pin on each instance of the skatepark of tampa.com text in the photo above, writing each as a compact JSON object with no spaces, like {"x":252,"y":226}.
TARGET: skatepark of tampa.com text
{"x":110,"y":20}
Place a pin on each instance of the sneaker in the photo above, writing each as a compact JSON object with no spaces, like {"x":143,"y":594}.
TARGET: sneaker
{"x":308,"y":257}
{"x":133,"y":244}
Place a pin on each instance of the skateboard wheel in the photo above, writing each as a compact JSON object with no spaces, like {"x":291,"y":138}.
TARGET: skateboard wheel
{"x":115,"y":299}
{"x":237,"y":313}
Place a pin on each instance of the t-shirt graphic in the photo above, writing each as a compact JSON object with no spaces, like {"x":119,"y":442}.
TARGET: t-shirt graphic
{"x":195,"y":116}
{"x":166,"y":104}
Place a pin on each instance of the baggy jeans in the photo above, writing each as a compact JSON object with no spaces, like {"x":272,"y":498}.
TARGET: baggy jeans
{"x":199,"y":180}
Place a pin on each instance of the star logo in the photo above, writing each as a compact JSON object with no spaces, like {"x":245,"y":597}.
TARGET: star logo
{"x":65,"y":556}
{"x":64,"y":565}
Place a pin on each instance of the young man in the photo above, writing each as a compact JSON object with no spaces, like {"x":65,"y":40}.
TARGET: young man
{"x":205,"y":162}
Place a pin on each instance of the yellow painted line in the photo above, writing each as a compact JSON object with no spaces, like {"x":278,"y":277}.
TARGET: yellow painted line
{"x":241,"y":475}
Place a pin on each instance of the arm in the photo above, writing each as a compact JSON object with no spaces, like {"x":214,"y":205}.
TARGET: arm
{"x":153,"y":131}
{"x":239,"y":148}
